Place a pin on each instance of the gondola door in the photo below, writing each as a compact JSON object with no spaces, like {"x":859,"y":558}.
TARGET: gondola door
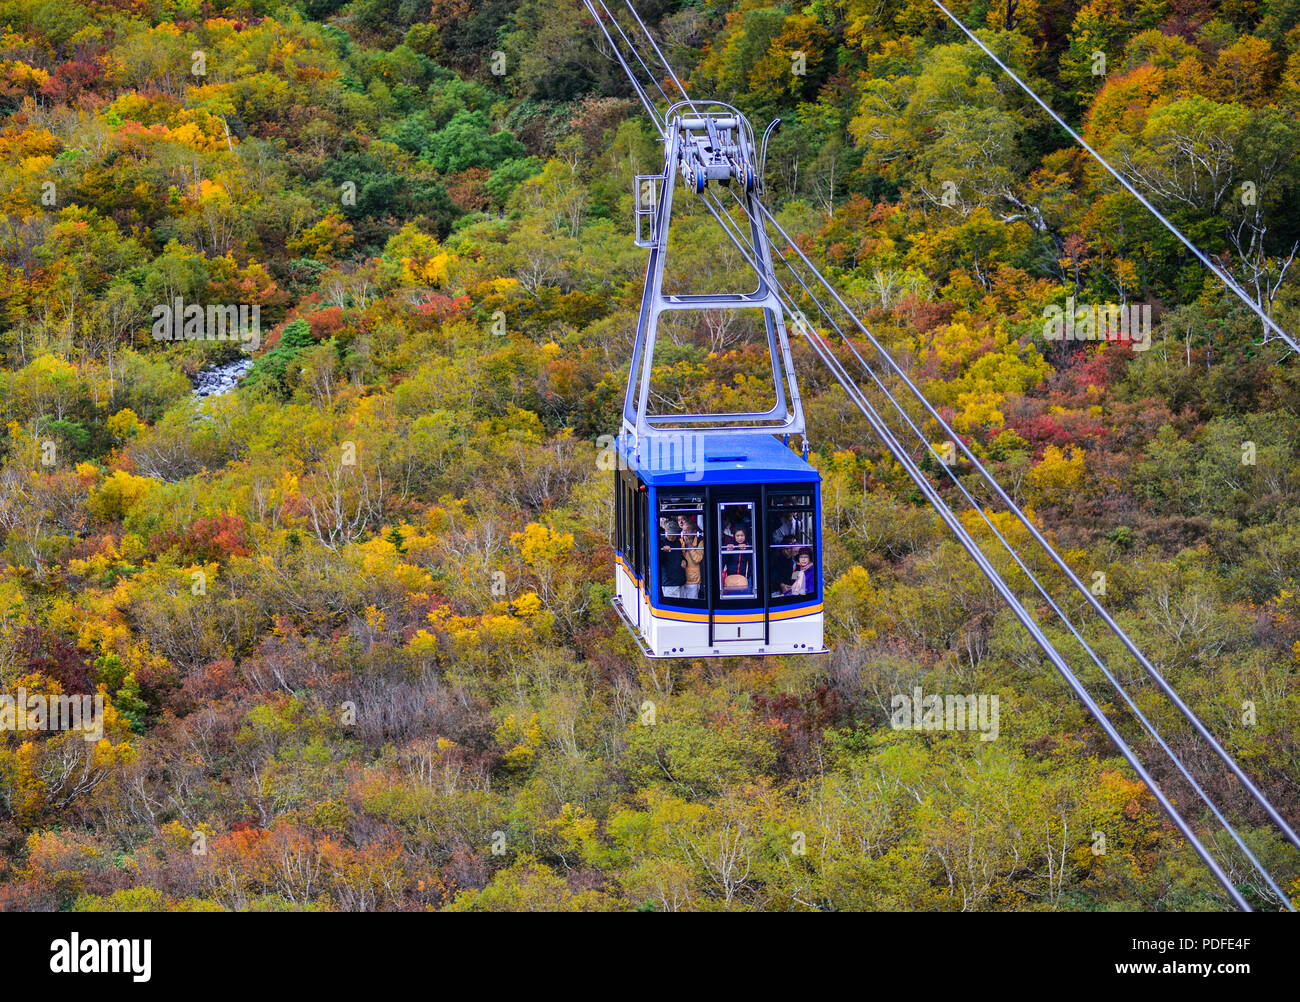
{"x":737,"y":611}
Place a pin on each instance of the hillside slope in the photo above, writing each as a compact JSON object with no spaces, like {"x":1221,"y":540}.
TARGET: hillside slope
{"x":352,"y":620}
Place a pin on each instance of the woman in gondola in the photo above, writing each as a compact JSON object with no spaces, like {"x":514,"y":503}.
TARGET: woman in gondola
{"x":737,"y":565}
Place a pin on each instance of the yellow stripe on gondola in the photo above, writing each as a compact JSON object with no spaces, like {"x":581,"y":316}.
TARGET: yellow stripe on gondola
{"x":811,"y":610}
{"x":776,"y":615}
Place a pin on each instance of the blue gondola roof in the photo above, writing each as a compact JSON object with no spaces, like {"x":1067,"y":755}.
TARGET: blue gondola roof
{"x":674,"y":460}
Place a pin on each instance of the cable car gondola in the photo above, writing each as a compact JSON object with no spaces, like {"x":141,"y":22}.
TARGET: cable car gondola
{"x":720,"y":556}
{"x":718,"y":528}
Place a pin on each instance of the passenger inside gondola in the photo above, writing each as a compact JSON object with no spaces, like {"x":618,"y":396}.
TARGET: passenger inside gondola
{"x":734,"y":519}
{"x":693,"y":554}
{"x":738,"y":566}
{"x":786,"y":531}
{"x":803,"y":577}
{"x":672,"y":569}
{"x":782,"y":559}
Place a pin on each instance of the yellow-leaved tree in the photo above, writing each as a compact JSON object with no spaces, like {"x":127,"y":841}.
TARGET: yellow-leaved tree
{"x":1057,"y":478}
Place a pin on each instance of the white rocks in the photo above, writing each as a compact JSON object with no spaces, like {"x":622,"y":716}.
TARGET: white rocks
{"x":221,"y":379}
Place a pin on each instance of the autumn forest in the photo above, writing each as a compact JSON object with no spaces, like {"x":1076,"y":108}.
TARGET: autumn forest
{"x":350,"y":613}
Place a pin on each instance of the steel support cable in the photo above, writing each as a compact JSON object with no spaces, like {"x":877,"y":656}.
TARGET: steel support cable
{"x":1228,"y":281}
{"x":1018,"y":610}
{"x":1115,"y":684}
{"x":649,"y":105}
{"x":1185,"y":710}
{"x":637,"y":53}
{"x":662,"y":58}
{"x":1004,"y":590}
